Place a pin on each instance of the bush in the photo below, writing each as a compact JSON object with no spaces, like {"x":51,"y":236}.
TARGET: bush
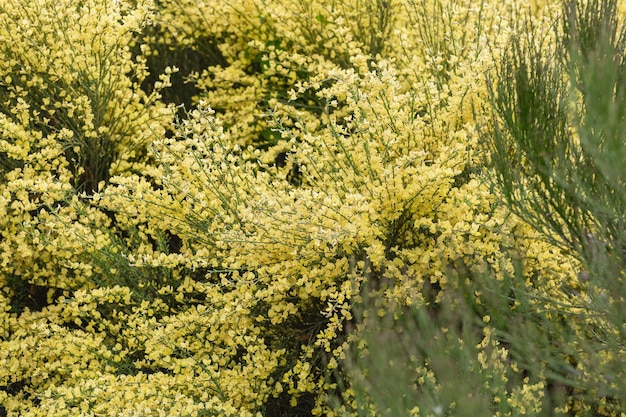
{"x":213,"y":259}
{"x":554,"y":138}
{"x":557,"y":151}
{"x":72,"y":116}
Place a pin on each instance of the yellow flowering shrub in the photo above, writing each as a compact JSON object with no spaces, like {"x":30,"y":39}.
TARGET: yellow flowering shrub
{"x":375,"y":192}
{"x":261,"y":51}
{"x":71,"y":115}
{"x":207,"y":261}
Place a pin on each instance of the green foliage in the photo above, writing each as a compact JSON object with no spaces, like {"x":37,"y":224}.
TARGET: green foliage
{"x":557,"y":146}
{"x":455,"y":358}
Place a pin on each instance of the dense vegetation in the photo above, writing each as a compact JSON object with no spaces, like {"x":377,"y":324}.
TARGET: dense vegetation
{"x":300,"y":208}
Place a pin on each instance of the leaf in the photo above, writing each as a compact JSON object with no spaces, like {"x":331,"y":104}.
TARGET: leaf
{"x":322,"y":19}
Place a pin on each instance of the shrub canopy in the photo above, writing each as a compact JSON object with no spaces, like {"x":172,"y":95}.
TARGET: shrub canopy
{"x":210,"y":259}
